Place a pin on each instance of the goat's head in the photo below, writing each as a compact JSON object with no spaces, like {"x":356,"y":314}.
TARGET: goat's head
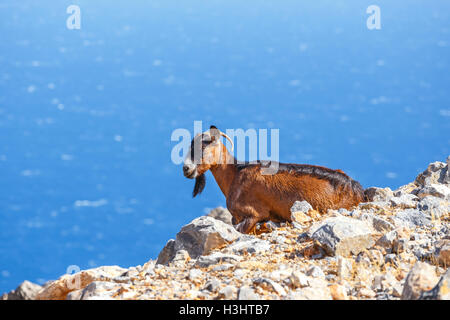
{"x":206,"y":152}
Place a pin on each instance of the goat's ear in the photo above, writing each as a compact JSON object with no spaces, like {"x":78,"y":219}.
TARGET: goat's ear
{"x":215,"y":133}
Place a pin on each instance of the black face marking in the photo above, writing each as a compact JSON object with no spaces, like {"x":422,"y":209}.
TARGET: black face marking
{"x":198,"y":144}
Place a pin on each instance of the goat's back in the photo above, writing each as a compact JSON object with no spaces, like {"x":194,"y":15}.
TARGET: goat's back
{"x":322,"y":187}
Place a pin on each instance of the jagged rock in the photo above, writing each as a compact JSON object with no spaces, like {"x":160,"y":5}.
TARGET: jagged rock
{"x":377,"y":223}
{"x":405,"y":201}
{"x":434,"y":207}
{"x":180,"y":258}
{"x":167,"y":253}
{"x":100,"y":290}
{"x":342,"y":236}
{"x":198,"y":238}
{"x":378,"y":194}
{"x":377,"y":205}
{"x":406,"y":189}
{"x":249,"y":244}
{"x":217,"y":257}
{"x":315,"y":272}
{"x":301,"y":206}
{"x":222,"y":214}
{"x":411,"y":218}
{"x":270,"y":285}
{"x":441,"y":291}
{"x":300,"y":217}
{"x":25,"y":291}
{"x":381,"y":225}
{"x":437,"y":172}
{"x":298,"y":279}
{"x":421,"y":277}
{"x":299,"y":212}
{"x":58,"y":289}
{"x":435,"y":190}
{"x":247,"y":293}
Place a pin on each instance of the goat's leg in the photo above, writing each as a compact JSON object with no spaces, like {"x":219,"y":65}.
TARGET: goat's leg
{"x":247,"y":224}
{"x":247,"y":217}
{"x":246,"y":211}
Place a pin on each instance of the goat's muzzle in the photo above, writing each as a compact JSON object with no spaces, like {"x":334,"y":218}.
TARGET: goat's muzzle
{"x":190,"y":171}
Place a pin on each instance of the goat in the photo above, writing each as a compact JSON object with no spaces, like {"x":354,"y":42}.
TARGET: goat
{"x":252,"y":197}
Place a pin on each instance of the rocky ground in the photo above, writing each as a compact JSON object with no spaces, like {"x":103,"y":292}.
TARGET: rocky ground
{"x":397,"y":246}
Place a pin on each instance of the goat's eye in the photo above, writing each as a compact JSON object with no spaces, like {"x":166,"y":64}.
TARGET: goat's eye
{"x":206,"y":142}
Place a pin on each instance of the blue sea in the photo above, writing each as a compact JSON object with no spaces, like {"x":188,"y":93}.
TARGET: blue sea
{"x":86,"y":115}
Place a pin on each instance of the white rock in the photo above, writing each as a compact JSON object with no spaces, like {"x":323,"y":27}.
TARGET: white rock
{"x":299,"y":279}
{"x":249,"y":244}
{"x":405,"y":201}
{"x":228,"y":292}
{"x":441,"y":291}
{"x":25,"y":291}
{"x":222,"y":214}
{"x":315,"y":272}
{"x":247,"y":293}
{"x":217,"y":257}
{"x":58,"y":290}
{"x":301,"y":206}
{"x":198,"y":238}
{"x":270,"y":284}
{"x":411,"y":218}
{"x":98,"y":289}
{"x":195,"y":274}
{"x":434,"y":174}
{"x":422,"y":277}
{"x":436,"y":190}
{"x":344,"y":267}
{"x":378,"y":194}
{"x":342,"y":236}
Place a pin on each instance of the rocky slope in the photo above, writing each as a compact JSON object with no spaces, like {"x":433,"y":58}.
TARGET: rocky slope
{"x":397,"y":246}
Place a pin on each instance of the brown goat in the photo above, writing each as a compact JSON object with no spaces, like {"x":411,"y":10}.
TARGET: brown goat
{"x":254,"y":197}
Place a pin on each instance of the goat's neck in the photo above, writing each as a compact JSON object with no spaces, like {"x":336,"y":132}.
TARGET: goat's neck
{"x":225,"y":172}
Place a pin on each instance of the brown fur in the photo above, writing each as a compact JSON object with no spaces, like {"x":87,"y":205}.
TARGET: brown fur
{"x":252,"y":197}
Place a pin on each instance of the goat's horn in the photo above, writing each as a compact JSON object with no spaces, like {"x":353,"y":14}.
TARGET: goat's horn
{"x":228,"y":138}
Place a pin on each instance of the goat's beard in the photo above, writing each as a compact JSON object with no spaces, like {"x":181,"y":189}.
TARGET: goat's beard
{"x":200,"y":183}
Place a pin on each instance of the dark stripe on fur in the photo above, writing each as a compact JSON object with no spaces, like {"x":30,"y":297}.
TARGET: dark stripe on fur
{"x":336,"y":178}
